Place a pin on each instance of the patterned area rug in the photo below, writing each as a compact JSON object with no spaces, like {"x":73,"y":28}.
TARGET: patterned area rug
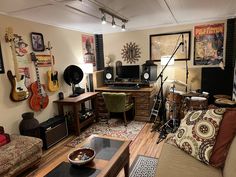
{"x":115,"y":128}
{"x":143,"y":166}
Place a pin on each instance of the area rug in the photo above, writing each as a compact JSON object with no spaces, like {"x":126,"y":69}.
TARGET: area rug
{"x":143,"y":166}
{"x":115,"y":128}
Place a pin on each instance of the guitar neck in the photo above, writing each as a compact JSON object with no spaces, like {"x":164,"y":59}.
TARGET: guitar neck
{"x":38,"y":78}
{"x":13,"y":50}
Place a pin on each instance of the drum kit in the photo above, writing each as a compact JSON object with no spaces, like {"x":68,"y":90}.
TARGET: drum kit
{"x":177,"y":104}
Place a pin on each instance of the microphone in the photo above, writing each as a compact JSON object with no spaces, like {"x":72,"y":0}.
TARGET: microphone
{"x":182,"y":43}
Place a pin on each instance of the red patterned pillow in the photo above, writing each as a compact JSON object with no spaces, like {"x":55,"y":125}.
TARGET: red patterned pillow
{"x":4,"y":139}
{"x":197,"y":133}
{"x":224,"y":138}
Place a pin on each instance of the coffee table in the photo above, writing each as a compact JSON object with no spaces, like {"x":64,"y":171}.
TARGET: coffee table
{"x":112,"y":154}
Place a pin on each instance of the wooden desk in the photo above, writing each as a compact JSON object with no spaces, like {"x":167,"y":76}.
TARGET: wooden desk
{"x":76,"y":102}
{"x":143,"y":97}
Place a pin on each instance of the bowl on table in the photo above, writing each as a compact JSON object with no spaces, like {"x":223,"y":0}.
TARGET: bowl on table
{"x":81,"y":156}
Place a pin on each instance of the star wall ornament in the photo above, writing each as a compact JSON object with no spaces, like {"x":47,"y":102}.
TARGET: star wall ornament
{"x":130,"y":52}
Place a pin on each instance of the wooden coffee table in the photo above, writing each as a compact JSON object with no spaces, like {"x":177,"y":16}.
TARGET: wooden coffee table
{"x":112,"y":154}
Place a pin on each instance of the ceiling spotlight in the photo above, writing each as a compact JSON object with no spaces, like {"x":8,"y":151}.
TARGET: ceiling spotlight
{"x":113,"y":22}
{"x":123,"y":27}
{"x":104,"y":19}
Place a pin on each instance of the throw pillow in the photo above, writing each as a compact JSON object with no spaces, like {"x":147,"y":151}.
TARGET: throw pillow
{"x":197,"y":133}
{"x":224,"y":138}
{"x":4,"y":139}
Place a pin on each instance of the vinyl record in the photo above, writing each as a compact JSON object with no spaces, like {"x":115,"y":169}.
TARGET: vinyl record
{"x":73,"y":74}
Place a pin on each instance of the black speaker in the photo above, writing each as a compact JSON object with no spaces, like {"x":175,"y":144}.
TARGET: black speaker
{"x":108,"y":75}
{"x":53,"y":130}
{"x":149,"y":73}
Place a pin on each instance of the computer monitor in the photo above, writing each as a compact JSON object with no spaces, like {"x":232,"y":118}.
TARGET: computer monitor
{"x":128,"y":72}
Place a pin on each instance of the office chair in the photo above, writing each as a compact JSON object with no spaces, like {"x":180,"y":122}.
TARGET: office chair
{"x":118,"y":102}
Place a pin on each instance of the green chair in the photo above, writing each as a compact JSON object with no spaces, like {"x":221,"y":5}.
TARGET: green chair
{"x":118,"y":102}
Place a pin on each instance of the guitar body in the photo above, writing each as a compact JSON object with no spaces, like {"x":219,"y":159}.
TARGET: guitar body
{"x":53,"y":84}
{"x":38,"y":101}
{"x":19,"y":92}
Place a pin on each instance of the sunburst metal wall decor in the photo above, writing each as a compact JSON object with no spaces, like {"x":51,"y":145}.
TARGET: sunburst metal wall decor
{"x":131,"y":52}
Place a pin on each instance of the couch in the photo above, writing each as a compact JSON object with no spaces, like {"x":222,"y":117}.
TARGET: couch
{"x":174,"y":162}
{"x":19,"y":154}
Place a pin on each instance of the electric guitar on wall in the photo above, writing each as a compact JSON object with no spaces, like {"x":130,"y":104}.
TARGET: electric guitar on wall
{"x":19,"y":92}
{"x":39,"y":98}
{"x":53,"y":84}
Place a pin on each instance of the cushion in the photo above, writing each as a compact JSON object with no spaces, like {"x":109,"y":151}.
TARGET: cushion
{"x":224,"y":138}
{"x":197,"y":133}
{"x":174,"y":162}
{"x":4,"y":139}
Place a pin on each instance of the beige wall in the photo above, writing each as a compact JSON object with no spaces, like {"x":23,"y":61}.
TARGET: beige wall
{"x":67,"y":49}
{"x":113,"y":43}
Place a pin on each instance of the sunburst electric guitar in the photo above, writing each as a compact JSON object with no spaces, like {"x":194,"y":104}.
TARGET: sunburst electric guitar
{"x":53,"y":84}
{"x":39,"y":98}
{"x":19,"y":92}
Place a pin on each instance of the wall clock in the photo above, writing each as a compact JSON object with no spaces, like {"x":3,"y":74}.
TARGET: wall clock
{"x":131,"y":52}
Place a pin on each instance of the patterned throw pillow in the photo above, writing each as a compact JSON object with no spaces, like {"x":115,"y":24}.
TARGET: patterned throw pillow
{"x":197,"y":133}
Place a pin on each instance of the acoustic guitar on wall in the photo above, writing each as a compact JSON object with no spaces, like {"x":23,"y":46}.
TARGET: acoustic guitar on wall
{"x":19,"y":92}
{"x":53,"y":84}
{"x":39,"y":98}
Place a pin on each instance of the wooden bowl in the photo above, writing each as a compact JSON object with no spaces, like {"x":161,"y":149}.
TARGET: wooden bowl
{"x":81,"y":156}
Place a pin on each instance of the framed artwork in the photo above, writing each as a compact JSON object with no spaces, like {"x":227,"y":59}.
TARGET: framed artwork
{"x":165,"y":44}
{"x":37,"y":42}
{"x":45,"y":60}
{"x":209,"y":44}
{"x":1,"y":61}
{"x":88,"y":49}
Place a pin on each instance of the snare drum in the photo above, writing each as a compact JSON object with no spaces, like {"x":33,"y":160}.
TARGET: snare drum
{"x":197,"y":103}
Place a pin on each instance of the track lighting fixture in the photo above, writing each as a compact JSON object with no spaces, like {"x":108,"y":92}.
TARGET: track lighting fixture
{"x":113,"y":16}
{"x":113,"y":23}
{"x":123,"y":27}
{"x":104,"y":19}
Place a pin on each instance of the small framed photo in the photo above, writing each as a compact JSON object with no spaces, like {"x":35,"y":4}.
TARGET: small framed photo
{"x":37,"y":42}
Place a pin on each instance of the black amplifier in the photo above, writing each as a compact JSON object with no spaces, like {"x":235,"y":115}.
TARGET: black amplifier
{"x":53,"y":130}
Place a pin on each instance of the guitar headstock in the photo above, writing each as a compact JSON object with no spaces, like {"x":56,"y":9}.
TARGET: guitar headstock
{"x":49,"y":47}
{"x":9,"y":34}
{"x":33,"y":57}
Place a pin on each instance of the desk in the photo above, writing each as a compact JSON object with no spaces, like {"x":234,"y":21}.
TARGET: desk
{"x":76,"y":102}
{"x":143,"y":100}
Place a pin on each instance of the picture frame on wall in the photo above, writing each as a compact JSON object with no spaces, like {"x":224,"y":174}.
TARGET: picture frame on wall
{"x":209,"y":44}
{"x":165,"y":44}
{"x":37,"y":42}
{"x":2,"y":70}
{"x":88,"y":46}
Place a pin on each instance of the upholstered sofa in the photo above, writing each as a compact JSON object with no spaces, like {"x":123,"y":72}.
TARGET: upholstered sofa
{"x":19,"y":154}
{"x":174,"y":162}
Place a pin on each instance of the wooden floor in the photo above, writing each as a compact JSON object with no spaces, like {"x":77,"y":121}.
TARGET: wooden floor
{"x":144,"y":144}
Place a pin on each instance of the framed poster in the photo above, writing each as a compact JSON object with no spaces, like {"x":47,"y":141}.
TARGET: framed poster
{"x":88,"y":49}
{"x":208,"y":44}
{"x":37,"y":42}
{"x":165,"y":44}
{"x":1,"y":61}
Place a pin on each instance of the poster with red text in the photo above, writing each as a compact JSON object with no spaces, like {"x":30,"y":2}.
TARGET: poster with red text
{"x":209,"y":44}
{"x":88,"y":49}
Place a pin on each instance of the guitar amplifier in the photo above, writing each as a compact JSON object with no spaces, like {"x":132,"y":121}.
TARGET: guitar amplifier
{"x":53,"y":130}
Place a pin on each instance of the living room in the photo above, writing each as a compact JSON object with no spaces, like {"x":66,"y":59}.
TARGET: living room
{"x":64,"y":44}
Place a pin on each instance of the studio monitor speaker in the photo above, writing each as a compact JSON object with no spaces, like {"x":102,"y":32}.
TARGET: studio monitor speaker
{"x":149,"y":72}
{"x":108,"y":75}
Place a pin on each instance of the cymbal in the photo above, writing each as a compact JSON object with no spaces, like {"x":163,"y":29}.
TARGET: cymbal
{"x":177,"y":82}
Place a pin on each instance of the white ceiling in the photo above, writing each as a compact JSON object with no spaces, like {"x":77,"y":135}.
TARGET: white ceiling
{"x":141,"y":14}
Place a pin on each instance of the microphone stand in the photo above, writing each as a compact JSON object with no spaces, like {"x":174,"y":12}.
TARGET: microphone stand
{"x":163,"y":117}
{"x":186,"y":65}
{"x":163,"y":131}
